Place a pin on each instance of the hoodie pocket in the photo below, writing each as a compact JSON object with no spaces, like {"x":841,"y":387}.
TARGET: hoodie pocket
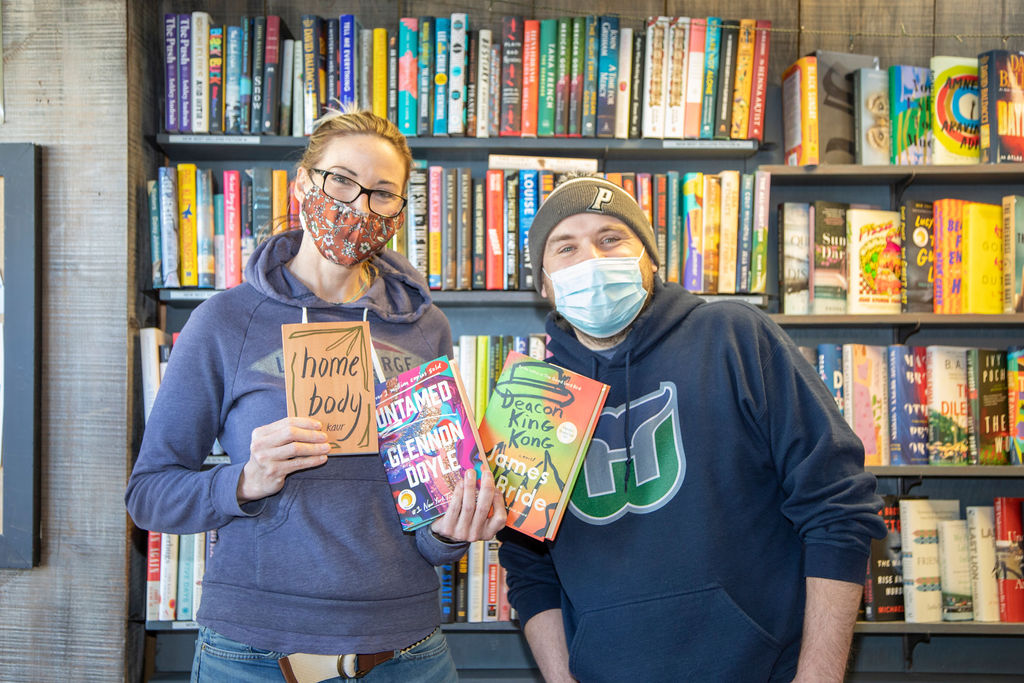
{"x":700,"y":635}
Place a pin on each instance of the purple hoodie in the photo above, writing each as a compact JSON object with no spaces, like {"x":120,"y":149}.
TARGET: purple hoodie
{"x":322,"y":566}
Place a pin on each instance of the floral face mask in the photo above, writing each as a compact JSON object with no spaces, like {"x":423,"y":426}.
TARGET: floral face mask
{"x":342,"y":234}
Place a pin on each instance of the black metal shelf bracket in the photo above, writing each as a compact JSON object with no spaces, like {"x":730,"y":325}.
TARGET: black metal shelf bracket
{"x":910,"y":641}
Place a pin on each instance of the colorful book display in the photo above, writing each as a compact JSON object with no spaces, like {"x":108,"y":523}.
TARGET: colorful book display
{"x":428,"y":439}
{"x":535,"y":431}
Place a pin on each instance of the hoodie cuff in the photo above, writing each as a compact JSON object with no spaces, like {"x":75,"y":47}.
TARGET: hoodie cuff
{"x":224,"y":493}
{"x":529,"y":602}
{"x":832,"y":562}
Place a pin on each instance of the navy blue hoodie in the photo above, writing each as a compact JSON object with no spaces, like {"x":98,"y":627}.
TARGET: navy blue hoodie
{"x":322,"y":566}
{"x":720,"y":475}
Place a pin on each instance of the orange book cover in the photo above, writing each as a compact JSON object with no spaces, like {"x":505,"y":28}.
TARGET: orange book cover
{"x":494,"y":252}
{"x":328,"y":376}
{"x":531,"y":74}
{"x":535,"y":432}
{"x":800,"y":112}
{"x":188,"y":260}
{"x":279,"y":200}
{"x":744,"y":80}
{"x":710,"y":232}
{"x":982,"y":262}
{"x":939,"y":254}
{"x":380,"y":72}
{"x":952,"y":225}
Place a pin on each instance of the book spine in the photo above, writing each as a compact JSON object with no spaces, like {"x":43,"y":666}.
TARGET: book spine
{"x":449,"y":244}
{"x":187,"y":209}
{"x":425,"y":82}
{"x":981,"y":548}
{"x":167,"y":179}
{"x":475,"y":588}
{"x":461,"y":589}
{"x":185,"y":585}
{"x":495,"y":250}
{"x":408,"y":75}
{"x":205,"y":261}
{"x":511,"y":76}
{"x":576,"y":46}
{"x":660,"y":221}
{"x":589,"y":93}
{"x":512,"y":231}
{"x":171,"y":73}
{"x":675,"y":100}
{"x":198,"y":570}
{"x":674,"y":242}
{"x":655,"y":67}
{"x":457,"y":74}
{"x":479,"y":280}
{"x":954,"y":571}
{"x":744,"y":80}
{"x":528,"y":203}
{"x":446,"y":592}
{"x":418,"y":236}
{"x":442,"y":44}
{"x":219,"y":257}
{"x":1009,"y":532}
{"x":759,"y":245}
{"x":531,"y":76}
{"x":759,"y":80}
{"x":364,"y":66}
{"x":547,"y":77}
{"x":348,"y":52}
{"x":608,"y":76}
{"x":435,"y":199}
{"x":232,"y":229}
{"x":746,"y":232}
{"x":168,"y":576}
{"x":472,"y":71}
{"x":200,"y":72}
{"x":153,"y":576}
{"x":728,"y":231}
{"x":259,"y":55}
{"x":484,"y":83}
{"x":563,"y":75}
{"x":298,"y":126}
{"x":310,"y":72}
{"x":270,"y":112}
{"x":155,"y":250}
{"x":638,"y":78}
{"x":287,"y":68}
{"x":693,"y":96}
{"x":185,"y":73}
{"x":492,"y":575}
{"x":232,"y":80}
{"x":464,"y":230}
{"x":379,"y":86}
{"x":726,"y":78}
{"x":709,"y":93}
{"x":332,"y":66}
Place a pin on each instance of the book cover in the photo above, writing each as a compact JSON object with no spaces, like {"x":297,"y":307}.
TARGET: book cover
{"x":829,"y":281}
{"x":457,"y":72}
{"x":954,"y":571}
{"x":919,"y":522}
{"x":694,"y":94}
{"x":709,"y":90}
{"x":442,"y":46}
{"x":511,"y":76}
{"x":830,"y":369}
{"x":607,"y":75}
{"x":794,"y":274}
{"x":408,"y":75}
{"x":910,"y":89}
{"x":873,"y":261}
{"x":988,"y":413}
{"x":727,"y":78}
{"x":866,"y":404}
{"x":427,"y":437}
{"x":955,"y":110}
{"x":1015,"y":402}
{"x":547,"y":76}
{"x":655,"y":93}
{"x":917,"y":256}
{"x":759,"y":86}
{"x":947,"y":405}
{"x":883,"y":589}
{"x":981,"y":259}
{"x":535,"y":431}
{"x":908,"y":405}
{"x":871,"y":125}
{"x":744,"y":80}
{"x":981,"y":549}
{"x":1009,"y":557}
{"x":836,"y":103}
{"x":531,"y":77}
{"x":329,"y":377}
{"x":800,"y":112}
{"x":1013,"y":253}
{"x":1001,"y":85}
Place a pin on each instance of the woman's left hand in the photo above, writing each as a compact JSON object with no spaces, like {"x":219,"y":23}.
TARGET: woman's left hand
{"x":474,"y":514}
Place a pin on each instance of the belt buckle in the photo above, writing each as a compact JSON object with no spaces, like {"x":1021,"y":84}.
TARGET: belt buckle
{"x":348,"y":666}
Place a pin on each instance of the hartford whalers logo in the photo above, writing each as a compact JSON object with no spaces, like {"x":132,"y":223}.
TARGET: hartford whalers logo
{"x":659,"y":464}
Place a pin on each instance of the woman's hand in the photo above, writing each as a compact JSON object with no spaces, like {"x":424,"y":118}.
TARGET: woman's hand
{"x":473,"y":514}
{"x":277,"y":450}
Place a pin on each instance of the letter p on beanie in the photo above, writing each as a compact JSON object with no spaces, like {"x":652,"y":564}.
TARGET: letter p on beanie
{"x":587,"y":195}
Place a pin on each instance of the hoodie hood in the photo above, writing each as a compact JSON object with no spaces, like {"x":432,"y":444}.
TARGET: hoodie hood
{"x":398,"y":294}
{"x":660,"y":317}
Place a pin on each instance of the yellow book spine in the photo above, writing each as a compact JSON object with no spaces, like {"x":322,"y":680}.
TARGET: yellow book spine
{"x":744,"y":80}
{"x":483,"y":352}
{"x":380,"y":72}
{"x":712,"y":215}
{"x":279,"y":200}
{"x":982,"y":258}
{"x":188,"y":263}
{"x":809,"y":111}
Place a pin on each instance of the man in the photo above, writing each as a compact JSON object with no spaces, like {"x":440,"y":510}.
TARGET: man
{"x":720,"y":528}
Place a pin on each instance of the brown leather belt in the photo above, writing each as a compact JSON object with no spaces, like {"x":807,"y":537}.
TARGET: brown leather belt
{"x":301,"y":667}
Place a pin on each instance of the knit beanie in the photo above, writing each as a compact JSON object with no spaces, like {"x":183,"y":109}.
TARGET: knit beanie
{"x":586,"y":195}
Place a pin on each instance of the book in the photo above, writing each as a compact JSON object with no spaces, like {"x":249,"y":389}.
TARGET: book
{"x":954,"y":571}
{"x":711,"y":230}
{"x":153,"y":575}
{"x":726,"y":78}
{"x":908,"y":405}
{"x":186,"y":579}
{"x":829,"y":283}
{"x":988,"y":413}
{"x":185,"y":73}
{"x":1015,"y":401}
{"x":408,"y":75}
{"x":917,"y":256}
{"x":829,"y":359}
{"x":547,"y":76}
{"x":871,"y":125}
{"x":981,"y":549}
{"x":231,"y":185}
{"x":794,"y":270}
{"x":511,"y":76}
{"x":728,"y":241}
{"x":955,"y":110}
{"x":740,"y":123}
{"x":873,"y":260}
{"x":919,"y":536}
{"x":328,"y":376}
{"x":694,"y":94}
{"x":563,"y":75}
{"x":678,"y":45}
{"x":759,"y":85}
{"x":427,"y":437}
{"x":656,"y":67}
{"x":1013,"y":254}
{"x":910,"y":90}
{"x":759,"y":237}
{"x":205,"y":261}
{"x":577,"y":62}
{"x":457,"y":73}
{"x":883,"y":587}
{"x":441,"y":56}
{"x":494,"y":253}
{"x":836,"y":105}
{"x":531,"y":75}
{"x":607,"y":75}
{"x":272,"y":85}
{"x":200,"y":72}
{"x":591,"y":59}
{"x":1001,"y":99}
{"x":865,"y":400}
{"x":711,"y":77}
{"x":170,"y":40}
{"x":745,"y":240}
{"x":485,"y":78}
{"x":623,"y":83}
{"x":535,"y":431}
{"x":800,"y":112}
{"x":425,"y":77}
{"x":1009,"y":557}
{"x":638,"y":77}
{"x":947,"y":405}
{"x":981,"y":261}
{"x":187,"y":208}
{"x":379,"y":73}
{"x":155,"y":248}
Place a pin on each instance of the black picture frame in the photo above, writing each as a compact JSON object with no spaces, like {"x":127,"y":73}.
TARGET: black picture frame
{"x":19,"y":533}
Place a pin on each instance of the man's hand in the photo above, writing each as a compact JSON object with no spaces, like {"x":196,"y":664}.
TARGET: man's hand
{"x":278,"y":449}
{"x":473,"y":514}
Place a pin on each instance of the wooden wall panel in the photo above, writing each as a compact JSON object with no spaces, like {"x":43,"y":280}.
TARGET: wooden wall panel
{"x":834,"y":26}
{"x":991,"y":19}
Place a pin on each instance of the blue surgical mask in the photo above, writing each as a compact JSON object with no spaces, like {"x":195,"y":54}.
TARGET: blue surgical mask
{"x":600,"y":296}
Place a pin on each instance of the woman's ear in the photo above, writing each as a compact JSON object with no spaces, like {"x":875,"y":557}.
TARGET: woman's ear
{"x":301,"y":185}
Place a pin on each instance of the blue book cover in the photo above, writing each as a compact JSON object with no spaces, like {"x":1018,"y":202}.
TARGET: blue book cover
{"x":185,"y":73}
{"x":709,"y":96}
{"x":348,"y":50}
{"x":186,"y":565}
{"x":425,"y":77}
{"x":233,"y":81}
{"x":830,"y":369}
{"x":204,"y":227}
{"x":607,"y":75}
{"x":674,"y":230}
{"x":245,"y":77}
{"x":219,"y":273}
{"x":521,"y":344}
{"x":408,"y":66}
{"x":693,"y":219}
{"x":442,"y":33}
{"x":529,"y":200}
{"x":746,"y":233}
{"x":908,"y":405}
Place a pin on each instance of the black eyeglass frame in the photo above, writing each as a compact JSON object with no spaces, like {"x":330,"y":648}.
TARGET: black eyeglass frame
{"x":323,"y":173}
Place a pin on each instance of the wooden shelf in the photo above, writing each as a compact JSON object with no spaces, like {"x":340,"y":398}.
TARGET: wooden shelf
{"x":852,"y":174}
{"x":286,"y":148}
{"x":994,"y":471}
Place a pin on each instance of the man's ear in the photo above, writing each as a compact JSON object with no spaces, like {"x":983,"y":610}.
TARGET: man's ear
{"x":543,"y":289}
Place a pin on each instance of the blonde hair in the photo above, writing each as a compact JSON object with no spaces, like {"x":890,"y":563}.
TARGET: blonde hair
{"x":349,"y":121}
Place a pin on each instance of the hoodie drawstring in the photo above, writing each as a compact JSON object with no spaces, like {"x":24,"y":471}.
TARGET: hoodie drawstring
{"x":378,"y":369}
{"x":628,"y":435}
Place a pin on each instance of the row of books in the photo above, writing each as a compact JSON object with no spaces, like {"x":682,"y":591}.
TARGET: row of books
{"x":938,"y":565}
{"x":946,"y":256}
{"x":175,"y":565}
{"x":840,"y":108}
{"x":474,"y":589}
{"x":928,"y":405}
{"x":673,"y":77}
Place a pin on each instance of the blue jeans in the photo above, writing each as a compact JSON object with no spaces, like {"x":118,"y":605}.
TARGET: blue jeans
{"x":222,"y":660}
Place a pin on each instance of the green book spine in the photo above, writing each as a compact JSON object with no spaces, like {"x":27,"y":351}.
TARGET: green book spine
{"x":547,"y":76}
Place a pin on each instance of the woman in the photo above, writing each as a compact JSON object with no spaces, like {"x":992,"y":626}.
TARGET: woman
{"x":310,"y":557}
